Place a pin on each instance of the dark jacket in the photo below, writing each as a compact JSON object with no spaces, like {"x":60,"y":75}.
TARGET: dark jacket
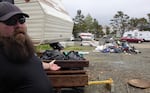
{"x":28,"y":77}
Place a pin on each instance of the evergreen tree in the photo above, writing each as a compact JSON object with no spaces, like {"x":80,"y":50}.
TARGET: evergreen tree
{"x":120,"y":22}
{"x":78,"y":23}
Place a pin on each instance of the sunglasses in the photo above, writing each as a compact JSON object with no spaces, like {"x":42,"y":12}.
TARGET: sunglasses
{"x":14,"y":20}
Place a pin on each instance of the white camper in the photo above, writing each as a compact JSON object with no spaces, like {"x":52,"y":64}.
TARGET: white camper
{"x":88,"y":36}
{"x":145,"y":35}
{"x":87,"y":39}
{"x":48,"y":22}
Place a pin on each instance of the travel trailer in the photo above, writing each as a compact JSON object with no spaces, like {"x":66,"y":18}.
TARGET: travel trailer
{"x":145,"y":35}
{"x":48,"y":22}
{"x":87,"y":39}
{"x":89,"y":36}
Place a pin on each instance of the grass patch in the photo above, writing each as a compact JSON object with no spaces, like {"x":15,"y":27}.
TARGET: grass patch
{"x":69,"y":48}
{"x":78,"y":48}
{"x":42,"y":47}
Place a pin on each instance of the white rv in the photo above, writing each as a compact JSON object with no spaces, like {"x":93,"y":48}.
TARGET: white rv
{"x":145,"y":35}
{"x":48,"y":22}
{"x":88,"y":36}
{"x":87,"y":39}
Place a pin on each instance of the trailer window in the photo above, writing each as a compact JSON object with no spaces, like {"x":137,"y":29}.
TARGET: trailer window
{"x":129,"y":35}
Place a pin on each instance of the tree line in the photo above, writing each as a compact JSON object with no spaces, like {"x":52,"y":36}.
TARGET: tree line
{"x":120,"y":23}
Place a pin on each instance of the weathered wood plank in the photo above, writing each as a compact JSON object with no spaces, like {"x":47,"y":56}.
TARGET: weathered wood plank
{"x":65,"y":72}
{"x":70,"y":63}
{"x":62,"y":81}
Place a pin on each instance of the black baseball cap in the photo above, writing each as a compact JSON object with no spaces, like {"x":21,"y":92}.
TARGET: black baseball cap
{"x":7,"y":10}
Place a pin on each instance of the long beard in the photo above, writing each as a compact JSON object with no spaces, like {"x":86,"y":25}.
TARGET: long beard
{"x":17,"y":48}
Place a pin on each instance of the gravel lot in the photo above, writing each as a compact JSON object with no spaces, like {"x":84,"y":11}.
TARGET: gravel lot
{"x":121,"y":68}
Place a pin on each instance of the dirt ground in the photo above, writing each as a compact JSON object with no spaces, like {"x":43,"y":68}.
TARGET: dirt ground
{"x":121,"y":68}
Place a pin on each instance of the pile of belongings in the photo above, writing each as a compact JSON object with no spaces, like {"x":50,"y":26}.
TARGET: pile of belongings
{"x":58,"y":55}
{"x":117,"y":47}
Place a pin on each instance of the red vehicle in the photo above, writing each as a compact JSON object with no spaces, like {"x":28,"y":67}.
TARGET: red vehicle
{"x":132,"y":39}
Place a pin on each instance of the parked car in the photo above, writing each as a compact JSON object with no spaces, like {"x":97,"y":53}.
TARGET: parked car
{"x":132,"y":39}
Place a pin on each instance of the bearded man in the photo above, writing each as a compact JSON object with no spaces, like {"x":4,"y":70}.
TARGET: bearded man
{"x":20,"y":70}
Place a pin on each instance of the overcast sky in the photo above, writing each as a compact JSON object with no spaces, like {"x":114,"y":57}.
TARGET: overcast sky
{"x":104,"y":10}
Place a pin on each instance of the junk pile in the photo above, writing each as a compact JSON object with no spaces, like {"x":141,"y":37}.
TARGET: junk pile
{"x":56,"y":53}
{"x":117,"y":47}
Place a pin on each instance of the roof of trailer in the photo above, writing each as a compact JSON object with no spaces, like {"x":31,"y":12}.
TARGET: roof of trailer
{"x":55,"y":8}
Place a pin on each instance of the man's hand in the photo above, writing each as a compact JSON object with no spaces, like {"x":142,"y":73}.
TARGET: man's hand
{"x":53,"y":66}
{"x":50,"y":66}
